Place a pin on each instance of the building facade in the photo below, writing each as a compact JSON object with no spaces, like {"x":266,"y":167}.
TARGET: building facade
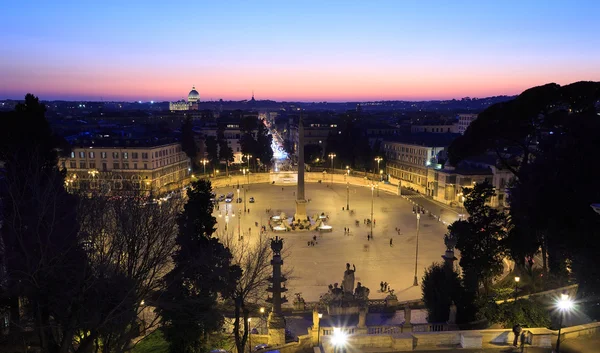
{"x":409,"y":158}
{"x":464,"y":120}
{"x":446,"y":185}
{"x":118,"y":166}
{"x":436,"y":129}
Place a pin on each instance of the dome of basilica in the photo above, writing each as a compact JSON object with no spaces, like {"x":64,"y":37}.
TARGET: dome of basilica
{"x":193,"y":96}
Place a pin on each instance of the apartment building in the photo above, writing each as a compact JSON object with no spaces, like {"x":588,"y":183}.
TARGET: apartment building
{"x":124,"y":165}
{"x":464,"y":120}
{"x":408,"y":158}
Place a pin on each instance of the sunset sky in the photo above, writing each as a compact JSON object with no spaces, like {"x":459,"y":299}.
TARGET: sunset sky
{"x":294,"y":50}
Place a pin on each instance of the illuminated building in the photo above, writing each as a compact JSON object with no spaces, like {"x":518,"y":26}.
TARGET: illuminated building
{"x":126,"y":166}
{"x":191,"y":104}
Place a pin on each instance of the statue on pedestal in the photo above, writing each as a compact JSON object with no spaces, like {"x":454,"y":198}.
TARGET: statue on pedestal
{"x":348,"y":282}
{"x":361,"y":293}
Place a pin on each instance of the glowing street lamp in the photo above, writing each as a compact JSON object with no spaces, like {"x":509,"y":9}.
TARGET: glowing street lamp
{"x":332,"y":156}
{"x":564,"y":305}
{"x":248,"y":156}
{"x":204,"y":161}
{"x":378,"y":160}
{"x":517,"y":279}
{"x":250,"y":334}
{"x":338,"y":339}
{"x":416,"y":281}
{"x":319,"y":330}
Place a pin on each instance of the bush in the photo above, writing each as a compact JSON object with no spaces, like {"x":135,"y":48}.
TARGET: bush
{"x":440,"y":289}
{"x":526,"y":312}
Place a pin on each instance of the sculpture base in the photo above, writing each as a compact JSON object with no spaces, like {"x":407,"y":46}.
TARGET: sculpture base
{"x":276,"y":323}
{"x":300,"y":210}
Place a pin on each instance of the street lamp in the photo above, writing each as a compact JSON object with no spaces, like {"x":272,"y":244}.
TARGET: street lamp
{"x":416,"y":282}
{"x":319,"y":331}
{"x":377,"y":159}
{"x":247,"y":182}
{"x":372,"y":203}
{"x":338,"y":339}
{"x":262,"y":314}
{"x":250,"y":334}
{"x":248,"y":156}
{"x":332,"y":156}
{"x":204,"y":161}
{"x":239,"y":228}
{"x":563,"y":305}
{"x":517,"y":279}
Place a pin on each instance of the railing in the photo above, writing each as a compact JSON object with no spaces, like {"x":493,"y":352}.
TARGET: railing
{"x":329,"y":331}
{"x":384,"y":330}
{"x":430,"y":327}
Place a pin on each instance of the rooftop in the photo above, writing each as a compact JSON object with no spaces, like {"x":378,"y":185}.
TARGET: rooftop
{"x":425,"y":139}
{"x":121,"y":142}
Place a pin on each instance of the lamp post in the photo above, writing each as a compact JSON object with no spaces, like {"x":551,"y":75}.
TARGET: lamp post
{"x":239,"y":228}
{"x":249,"y":335}
{"x":248,"y":156}
{"x":377,"y":159}
{"x":332,"y":156}
{"x":416,"y":282}
{"x":517,"y":279}
{"x":347,"y":196}
{"x":372,"y":204}
{"x":247,"y":180}
{"x":319,"y":331}
{"x":339,"y":340}
{"x":204,"y":161}
{"x":564,"y":304}
{"x":262,"y":314}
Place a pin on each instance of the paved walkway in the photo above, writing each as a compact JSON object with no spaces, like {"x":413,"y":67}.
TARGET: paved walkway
{"x":582,"y":344}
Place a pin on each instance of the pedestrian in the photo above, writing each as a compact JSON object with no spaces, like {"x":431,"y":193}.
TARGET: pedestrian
{"x":374,"y":222}
{"x":517,"y":331}
{"x":391,"y":240}
{"x":385,"y":286}
{"x":308,"y":243}
{"x":314,"y":237}
{"x":381,"y":286}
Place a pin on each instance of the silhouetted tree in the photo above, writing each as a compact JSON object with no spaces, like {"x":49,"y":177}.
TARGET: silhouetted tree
{"x":44,"y":261}
{"x":212,"y":151}
{"x":312,"y":152}
{"x":203,"y":272}
{"x":480,"y":238}
{"x":188,"y":143}
{"x":439,"y":289}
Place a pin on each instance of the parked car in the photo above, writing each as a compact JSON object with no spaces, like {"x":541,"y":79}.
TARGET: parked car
{"x":228,"y":200}
{"x":251,"y":200}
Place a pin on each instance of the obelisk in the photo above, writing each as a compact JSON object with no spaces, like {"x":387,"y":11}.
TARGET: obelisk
{"x":300,"y":201}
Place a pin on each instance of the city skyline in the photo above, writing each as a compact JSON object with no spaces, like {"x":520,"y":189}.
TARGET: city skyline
{"x":308,"y":51}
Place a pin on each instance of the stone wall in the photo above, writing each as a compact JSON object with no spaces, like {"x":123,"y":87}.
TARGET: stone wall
{"x":407,"y":341}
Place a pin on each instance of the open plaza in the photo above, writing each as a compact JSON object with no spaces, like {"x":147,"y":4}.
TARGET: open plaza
{"x":388,"y":257}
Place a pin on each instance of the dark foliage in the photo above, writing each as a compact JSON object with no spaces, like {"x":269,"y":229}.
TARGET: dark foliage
{"x":480,"y":238}
{"x":188,"y":143}
{"x":202,"y":273}
{"x":440,"y":287}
